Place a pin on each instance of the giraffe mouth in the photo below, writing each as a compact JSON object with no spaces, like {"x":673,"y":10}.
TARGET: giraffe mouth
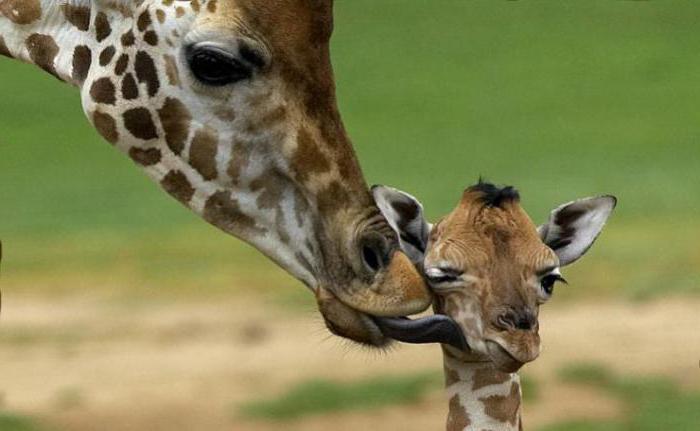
{"x":432,"y":329}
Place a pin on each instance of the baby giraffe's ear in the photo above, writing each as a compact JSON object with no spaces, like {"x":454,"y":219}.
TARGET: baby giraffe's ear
{"x":405,"y":215}
{"x":572,"y":228}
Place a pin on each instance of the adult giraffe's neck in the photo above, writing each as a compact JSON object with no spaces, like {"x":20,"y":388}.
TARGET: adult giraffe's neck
{"x":98,"y":46}
{"x":53,"y":35}
{"x":481,"y":397}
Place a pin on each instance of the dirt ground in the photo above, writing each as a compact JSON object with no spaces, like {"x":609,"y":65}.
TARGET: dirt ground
{"x":86,"y":364}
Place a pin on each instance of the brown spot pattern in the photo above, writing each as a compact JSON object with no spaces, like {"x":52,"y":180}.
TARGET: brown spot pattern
{"x":268,"y":120}
{"x":139,"y":123}
{"x":151,"y":38}
{"x":160,"y":15}
{"x":332,"y":198}
{"x":504,"y":408}
{"x":122,"y":64}
{"x":103,"y":91}
{"x":102,"y":27}
{"x":272,"y":185}
{"x":223,"y":212}
{"x":146,"y":72}
{"x":203,"y":153}
{"x":451,"y":376}
{"x":128,"y":38}
{"x":130,"y":89}
{"x":488,"y":376}
{"x":240,"y":157}
{"x":106,"y":126}
{"x":145,"y":157}
{"x":43,"y":51}
{"x":308,"y":160}
{"x":4,"y":50}
{"x":144,"y":21}
{"x":178,"y":186}
{"x":21,"y":11}
{"x":79,"y":16}
{"x":82,"y":59}
{"x":457,"y":418}
{"x":107,"y":55}
{"x":171,"y":70}
{"x":175,"y":119}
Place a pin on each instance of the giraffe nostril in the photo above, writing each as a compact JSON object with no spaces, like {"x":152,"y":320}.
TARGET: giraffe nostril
{"x":375,"y":251}
{"x":505,"y":321}
{"x":372,"y":260}
{"x":522,"y":320}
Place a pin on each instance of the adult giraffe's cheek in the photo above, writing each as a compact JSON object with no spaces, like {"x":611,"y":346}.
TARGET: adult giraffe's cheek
{"x":397,"y":290}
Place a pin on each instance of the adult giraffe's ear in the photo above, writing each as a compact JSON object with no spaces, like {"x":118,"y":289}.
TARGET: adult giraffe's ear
{"x":573,"y":228}
{"x":405,"y":215}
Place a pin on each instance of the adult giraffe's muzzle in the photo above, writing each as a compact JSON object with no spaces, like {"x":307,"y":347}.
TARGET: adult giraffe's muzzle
{"x":397,"y":290}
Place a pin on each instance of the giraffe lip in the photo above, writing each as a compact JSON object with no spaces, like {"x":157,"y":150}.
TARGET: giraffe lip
{"x":503,"y":358}
{"x":432,"y":329}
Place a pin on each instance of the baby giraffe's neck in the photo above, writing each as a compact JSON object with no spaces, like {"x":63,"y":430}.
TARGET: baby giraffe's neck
{"x":481,"y":397}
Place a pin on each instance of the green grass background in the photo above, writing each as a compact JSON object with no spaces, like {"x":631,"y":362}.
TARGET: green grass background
{"x":562,"y":99}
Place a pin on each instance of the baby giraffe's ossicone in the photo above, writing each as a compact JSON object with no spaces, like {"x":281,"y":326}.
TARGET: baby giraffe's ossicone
{"x":491,"y":268}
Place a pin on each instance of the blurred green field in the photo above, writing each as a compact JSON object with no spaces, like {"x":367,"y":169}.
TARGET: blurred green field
{"x":561,"y":99}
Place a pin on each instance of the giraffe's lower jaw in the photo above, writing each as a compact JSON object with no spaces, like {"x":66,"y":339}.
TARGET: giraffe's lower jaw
{"x":502,"y":358}
{"x":349,"y":323}
{"x":432,"y":329}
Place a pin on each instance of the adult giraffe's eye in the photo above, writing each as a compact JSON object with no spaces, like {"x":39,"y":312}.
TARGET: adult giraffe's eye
{"x":216,"y":67}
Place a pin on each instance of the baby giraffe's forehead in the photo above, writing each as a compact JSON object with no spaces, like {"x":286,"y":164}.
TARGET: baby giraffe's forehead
{"x":475,"y":222}
{"x":482,"y":234}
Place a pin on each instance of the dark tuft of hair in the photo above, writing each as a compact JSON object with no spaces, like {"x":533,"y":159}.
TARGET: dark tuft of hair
{"x":494,"y":196}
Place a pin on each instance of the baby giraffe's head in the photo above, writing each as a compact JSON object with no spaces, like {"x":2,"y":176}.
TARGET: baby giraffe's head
{"x":490,"y":267}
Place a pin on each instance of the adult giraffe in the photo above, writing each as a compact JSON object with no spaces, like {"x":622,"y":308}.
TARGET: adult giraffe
{"x":230,"y":106}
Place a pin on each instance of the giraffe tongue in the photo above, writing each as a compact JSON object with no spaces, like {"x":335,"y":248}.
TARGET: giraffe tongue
{"x":432,"y":329}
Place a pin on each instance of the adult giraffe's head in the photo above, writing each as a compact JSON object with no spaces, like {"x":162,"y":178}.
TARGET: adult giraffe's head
{"x":490,"y":267}
{"x":230,"y":106}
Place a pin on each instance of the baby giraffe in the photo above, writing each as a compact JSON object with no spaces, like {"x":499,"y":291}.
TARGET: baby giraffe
{"x":491,"y":268}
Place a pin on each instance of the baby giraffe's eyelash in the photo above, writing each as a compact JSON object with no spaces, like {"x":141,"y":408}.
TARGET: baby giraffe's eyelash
{"x":443,"y":275}
{"x":547,"y":282}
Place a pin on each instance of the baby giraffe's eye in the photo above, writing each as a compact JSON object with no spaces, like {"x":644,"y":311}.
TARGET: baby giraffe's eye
{"x":548,"y":282}
{"x":437,"y":276}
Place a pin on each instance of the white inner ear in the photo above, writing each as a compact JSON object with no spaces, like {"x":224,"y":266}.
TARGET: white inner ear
{"x":387,"y":210}
{"x":582,"y":232}
{"x":385,"y":198}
